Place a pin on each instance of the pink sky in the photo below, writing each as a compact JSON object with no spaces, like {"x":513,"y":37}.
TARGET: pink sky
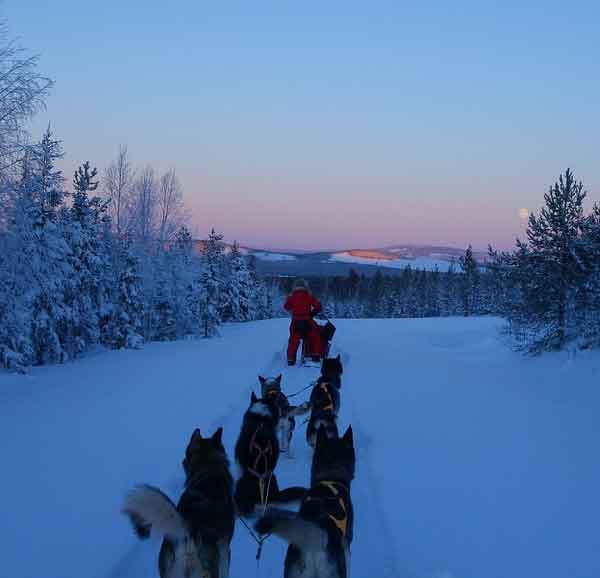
{"x":284,"y":222}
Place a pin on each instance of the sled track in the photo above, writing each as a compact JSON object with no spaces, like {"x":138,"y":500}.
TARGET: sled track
{"x":372,"y":549}
{"x":373,"y":544}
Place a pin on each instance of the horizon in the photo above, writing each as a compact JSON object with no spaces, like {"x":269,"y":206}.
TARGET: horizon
{"x":362,"y":127}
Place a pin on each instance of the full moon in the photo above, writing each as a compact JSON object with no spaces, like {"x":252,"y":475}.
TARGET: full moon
{"x":524,"y":213}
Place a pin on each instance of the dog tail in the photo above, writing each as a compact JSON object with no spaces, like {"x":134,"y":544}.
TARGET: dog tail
{"x":292,"y":528}
{"x":149,"y":508}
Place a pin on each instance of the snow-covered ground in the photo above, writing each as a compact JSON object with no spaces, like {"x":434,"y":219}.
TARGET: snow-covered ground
{"x":269,"y":256}
{"x":473,"y":462}
{"x":427,"y":263}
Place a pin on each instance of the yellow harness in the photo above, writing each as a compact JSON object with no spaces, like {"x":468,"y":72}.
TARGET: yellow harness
{"x":329,"y":407}
{"x":340,"y":523}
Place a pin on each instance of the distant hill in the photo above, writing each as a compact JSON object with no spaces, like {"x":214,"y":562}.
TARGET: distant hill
{"x":392,"y":259}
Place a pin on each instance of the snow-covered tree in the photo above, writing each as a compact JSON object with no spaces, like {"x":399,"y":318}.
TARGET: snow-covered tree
{"x":469,"y":282}
{"x":546,"y":269}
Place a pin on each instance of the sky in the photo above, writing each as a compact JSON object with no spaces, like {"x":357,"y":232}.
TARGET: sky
{"x":330,"y":124}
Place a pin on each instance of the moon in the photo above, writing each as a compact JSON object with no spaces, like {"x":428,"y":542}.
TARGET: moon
{"x":524,"y":214}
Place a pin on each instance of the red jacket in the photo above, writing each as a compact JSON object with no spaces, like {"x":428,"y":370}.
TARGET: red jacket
{"x":301,"y":304}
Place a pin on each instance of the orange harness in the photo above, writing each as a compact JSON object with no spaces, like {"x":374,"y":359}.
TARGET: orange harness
{"x":330,"y":406}
{"x":340,"y":523}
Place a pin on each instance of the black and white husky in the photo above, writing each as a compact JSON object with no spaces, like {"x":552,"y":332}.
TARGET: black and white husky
{"x":325,"y":401}
{"x":320,"y":534}
{"x":286,"y":422}
{"x":257,"y":454}
{"x":197,"y":532}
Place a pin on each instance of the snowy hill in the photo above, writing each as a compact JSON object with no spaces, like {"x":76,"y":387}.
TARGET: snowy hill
{"x":390,"y":259}
{"x":472,"y":461}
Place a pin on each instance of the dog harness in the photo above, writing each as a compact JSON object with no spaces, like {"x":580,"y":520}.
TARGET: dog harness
{"x":329,"y":406}
{"x":264,"y":452}
{"x":335,"y":503}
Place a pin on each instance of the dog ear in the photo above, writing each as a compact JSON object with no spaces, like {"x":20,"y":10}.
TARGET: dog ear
{"x":196,"y":435}
{"x":339,"y":357}
{"x":348,"y":437}
{"x":321,"y":436}
{"x":253,"y":398}
{"x":278,"y":379}
{"x":262,"y":380}
{"x":217,"y":436}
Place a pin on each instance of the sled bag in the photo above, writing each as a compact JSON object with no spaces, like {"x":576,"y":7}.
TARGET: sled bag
{"x":328,"y":331}
{"x":302,"y":327}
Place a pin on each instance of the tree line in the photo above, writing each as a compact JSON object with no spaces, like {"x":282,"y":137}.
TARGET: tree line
{"x":110,"y":262}
{"x":465,"y":289}
{"x":547,"y":288}
{"x":72,"y":277}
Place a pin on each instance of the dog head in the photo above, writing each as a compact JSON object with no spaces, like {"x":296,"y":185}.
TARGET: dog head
{"x":268,"y":384}
{"x":265,"y":408}
{"x":332,"y":367}
{"x":334,"y":458}
{"x":202,"y":451}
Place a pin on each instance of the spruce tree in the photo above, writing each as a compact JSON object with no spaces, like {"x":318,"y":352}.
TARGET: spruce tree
{"x":551,"y":261}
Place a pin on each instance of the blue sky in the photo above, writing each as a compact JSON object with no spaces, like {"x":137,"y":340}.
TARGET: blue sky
{"x":331,"y":123}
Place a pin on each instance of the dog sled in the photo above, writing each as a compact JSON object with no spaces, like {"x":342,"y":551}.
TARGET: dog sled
{"x":326,"y":332}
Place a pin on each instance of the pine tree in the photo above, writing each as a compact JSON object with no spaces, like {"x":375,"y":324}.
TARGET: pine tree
{"x":547,"y":268}
{"x":123,"y":328}
{"x":586,"y":297}
{"x":88,"y":292}
{"x":213,"y":283}
{"x":48,"y":182}
{"x":469,"y":282}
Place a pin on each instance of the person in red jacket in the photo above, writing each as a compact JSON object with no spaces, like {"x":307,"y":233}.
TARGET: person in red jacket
{"x":303,"y":306}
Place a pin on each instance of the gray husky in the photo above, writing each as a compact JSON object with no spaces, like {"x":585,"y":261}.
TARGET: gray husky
{"x":320,"y":534}
{"x":271,"y":390}
{"x":197,"y":532}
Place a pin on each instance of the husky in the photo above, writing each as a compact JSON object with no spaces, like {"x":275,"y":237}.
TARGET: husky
{"x":197,"y":532}
{"x":326,"y":392}
{"x":320,"y":534}
{"x":321,"y":419}
{"x":286,"y":422}
{"x":325,"y":401}
{"x":257,"y":454}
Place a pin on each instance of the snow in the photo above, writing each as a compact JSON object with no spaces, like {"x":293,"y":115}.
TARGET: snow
{"x":473,"y":461}
{"x":268,"y":256}
{"x":394,"y":263}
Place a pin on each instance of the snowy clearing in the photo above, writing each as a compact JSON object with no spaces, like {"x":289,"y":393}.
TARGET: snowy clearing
{"x":472,"y":461}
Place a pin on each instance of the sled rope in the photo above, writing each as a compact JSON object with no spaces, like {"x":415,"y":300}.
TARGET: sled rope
{"x":264,"y":503}
{"x":263,"y":453}
{"x":259,"y":541}
{"x":311,"y":384}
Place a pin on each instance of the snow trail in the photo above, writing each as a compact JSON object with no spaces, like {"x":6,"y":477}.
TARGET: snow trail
{"x":472,"y":461}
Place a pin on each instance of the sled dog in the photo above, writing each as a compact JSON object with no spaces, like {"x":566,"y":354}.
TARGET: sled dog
{"x":257,"y":454}
{"x":325,"y":401}
{"x":320,"y":534}
{"x":197,"y":532}
{"x":286,"y":422}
